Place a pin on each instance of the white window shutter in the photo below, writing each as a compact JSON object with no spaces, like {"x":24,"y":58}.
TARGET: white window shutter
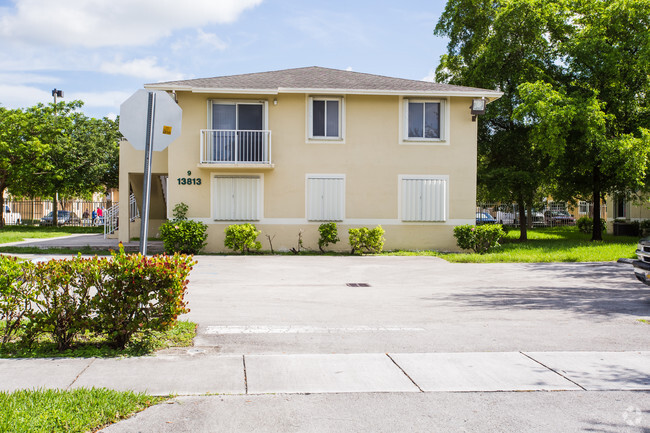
{"x":236,"y":198}
{"x":424,"y":199}
{"x":325,"y":198}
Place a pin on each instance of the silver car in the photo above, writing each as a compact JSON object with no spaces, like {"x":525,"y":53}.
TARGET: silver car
{"x":642,"y":265}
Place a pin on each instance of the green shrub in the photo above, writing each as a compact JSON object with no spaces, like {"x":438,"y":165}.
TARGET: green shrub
{"x":242,"y":238}
{"x":16,"y":295}
{"x":328,"y":235}
{"x":181,"y":235}
{"x":115,"y":297}
{"x":61,"y":306}
{"x":586,"y":224}
{"x":366,"y":240}
{"x":140,"y":294}
{"x":479,"y":239}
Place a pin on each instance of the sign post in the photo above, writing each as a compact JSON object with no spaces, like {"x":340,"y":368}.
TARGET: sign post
{"x":150,"y":120}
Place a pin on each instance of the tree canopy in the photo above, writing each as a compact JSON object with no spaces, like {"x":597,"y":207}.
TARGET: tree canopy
{"x":575,"y":81}
{"x":47,"y":150}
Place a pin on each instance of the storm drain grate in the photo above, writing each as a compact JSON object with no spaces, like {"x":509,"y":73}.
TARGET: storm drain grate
{"x":357,"y":284}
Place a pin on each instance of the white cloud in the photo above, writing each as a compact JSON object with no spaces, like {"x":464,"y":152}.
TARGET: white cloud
{"x":349,"y":68}
{"x":27,"y":78}
{"x":211,"y":40}
{"x":101,"y":23}
{"x":15,"y":96}
{"x":111,"y":99}
{"x":431,"y":77}
{"x":145,"y":68}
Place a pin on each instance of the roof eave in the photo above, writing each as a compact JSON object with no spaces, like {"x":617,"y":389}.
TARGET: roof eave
{"x":490,"y":94}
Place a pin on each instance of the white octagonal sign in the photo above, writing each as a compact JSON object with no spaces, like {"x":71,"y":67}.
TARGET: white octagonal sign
{"x":166,"y":120}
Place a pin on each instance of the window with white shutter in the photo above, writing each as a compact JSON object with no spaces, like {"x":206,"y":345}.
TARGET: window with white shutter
{"x":236,"y":198}
{"x":424,"y":198}
{"x":325,"y":197}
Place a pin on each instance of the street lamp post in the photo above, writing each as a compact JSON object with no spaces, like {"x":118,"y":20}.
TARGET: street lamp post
{"x":55,"y":210}
{"x":56,"y":93}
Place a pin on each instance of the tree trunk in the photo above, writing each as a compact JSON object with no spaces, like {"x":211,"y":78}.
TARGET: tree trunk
{"x":523,"y":235}
{"x":2,"y":206}
{"x":529,"y":220}
{"x":597,"y":232}
{"x":55,"y":212}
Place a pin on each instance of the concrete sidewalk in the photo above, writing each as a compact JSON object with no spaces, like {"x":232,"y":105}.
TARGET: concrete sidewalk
{"x":198,"y":372}
{"x":80,"y":240}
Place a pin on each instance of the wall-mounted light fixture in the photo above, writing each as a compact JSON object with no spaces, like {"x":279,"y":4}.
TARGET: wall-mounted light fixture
{"x":478,"y":107}
{"x":275,"y":101}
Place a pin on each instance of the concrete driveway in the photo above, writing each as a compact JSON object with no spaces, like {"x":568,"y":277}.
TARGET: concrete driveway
{"x":288,"y":304}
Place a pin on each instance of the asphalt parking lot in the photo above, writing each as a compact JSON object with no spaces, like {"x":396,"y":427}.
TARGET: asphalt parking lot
{"x":296,"y":344}
{"x":285,"y":304}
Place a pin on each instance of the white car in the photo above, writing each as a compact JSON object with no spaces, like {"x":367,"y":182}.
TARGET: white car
{"x":507,"y":218}
{"x":12,"y":217}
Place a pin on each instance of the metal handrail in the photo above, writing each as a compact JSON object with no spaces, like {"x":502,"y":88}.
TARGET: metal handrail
{"x":235,"y":146}
{"x":112,"y":216}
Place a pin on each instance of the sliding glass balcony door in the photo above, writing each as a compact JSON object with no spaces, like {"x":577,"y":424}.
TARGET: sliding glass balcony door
{"x":238,"y":132}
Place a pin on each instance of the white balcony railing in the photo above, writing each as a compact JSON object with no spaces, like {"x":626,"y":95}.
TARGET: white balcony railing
{"x":234,"y":146}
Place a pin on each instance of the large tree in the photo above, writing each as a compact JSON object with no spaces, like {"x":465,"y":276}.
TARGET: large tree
{"x":77,"y":156}
{"x":575,"y":79}
{"x":21,"y":151}
{"x":593,"y":120}
{"x":499,"y":44}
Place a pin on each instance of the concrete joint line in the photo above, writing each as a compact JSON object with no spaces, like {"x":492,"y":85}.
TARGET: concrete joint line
{"x":554,"y":371}
{"x":80,"y":373}
{"x":243,"y":357}
{"x":405,"y":374}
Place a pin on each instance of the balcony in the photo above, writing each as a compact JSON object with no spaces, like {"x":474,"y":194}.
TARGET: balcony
{"x":235,"y":148}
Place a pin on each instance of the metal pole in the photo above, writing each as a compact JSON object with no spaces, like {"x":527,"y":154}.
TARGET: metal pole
{"x":146,"y":189}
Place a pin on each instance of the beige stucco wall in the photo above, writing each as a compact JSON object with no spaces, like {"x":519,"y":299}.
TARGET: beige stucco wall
{"x":131,"y":177}
{"x":635,"y":210}
{"x":371,"y":156}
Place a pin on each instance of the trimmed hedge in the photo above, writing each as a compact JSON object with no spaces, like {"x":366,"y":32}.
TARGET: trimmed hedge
{"x":366,"y":240}
{"x":480,"y":239}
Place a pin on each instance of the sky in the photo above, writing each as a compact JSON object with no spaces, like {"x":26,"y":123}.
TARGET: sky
{"x":102,"y":51}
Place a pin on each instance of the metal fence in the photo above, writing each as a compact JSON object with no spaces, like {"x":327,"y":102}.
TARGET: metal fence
{"x":69,"y":212}
{"x":550,"y":214}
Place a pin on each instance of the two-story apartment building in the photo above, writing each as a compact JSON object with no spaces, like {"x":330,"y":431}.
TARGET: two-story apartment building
{"x":290,"y":149}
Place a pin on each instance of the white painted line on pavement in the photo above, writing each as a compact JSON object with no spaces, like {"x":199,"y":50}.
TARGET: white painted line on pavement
{"x":221,"y":330}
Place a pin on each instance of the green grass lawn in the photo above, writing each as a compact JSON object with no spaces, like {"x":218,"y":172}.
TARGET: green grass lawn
{"x":79,"y":410}
{"x":20,"y":233}
{"x":553,"y":244}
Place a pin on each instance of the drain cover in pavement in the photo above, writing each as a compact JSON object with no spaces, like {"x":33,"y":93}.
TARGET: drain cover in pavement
{"x":357,"y":284}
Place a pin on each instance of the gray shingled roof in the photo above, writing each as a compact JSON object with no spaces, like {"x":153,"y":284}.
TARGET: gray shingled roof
{"x":314,"y":77}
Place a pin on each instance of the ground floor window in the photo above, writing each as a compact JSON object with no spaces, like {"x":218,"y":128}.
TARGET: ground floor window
{"x":236,"y":198}
{"x":423,"y":198}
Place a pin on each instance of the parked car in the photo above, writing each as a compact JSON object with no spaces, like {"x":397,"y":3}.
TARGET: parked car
{"x":507,"y":218}
{"x":538,"y":218}
{"x":642,"y":265}
{"x":558,"y":218}
{"x":63,"y":217}
{"x":485,"y":218}
{"x":12,"y":217}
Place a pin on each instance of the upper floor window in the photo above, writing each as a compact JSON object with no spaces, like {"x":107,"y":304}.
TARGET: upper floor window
{"x":423,"y":120}
{"x":325,"y":118}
